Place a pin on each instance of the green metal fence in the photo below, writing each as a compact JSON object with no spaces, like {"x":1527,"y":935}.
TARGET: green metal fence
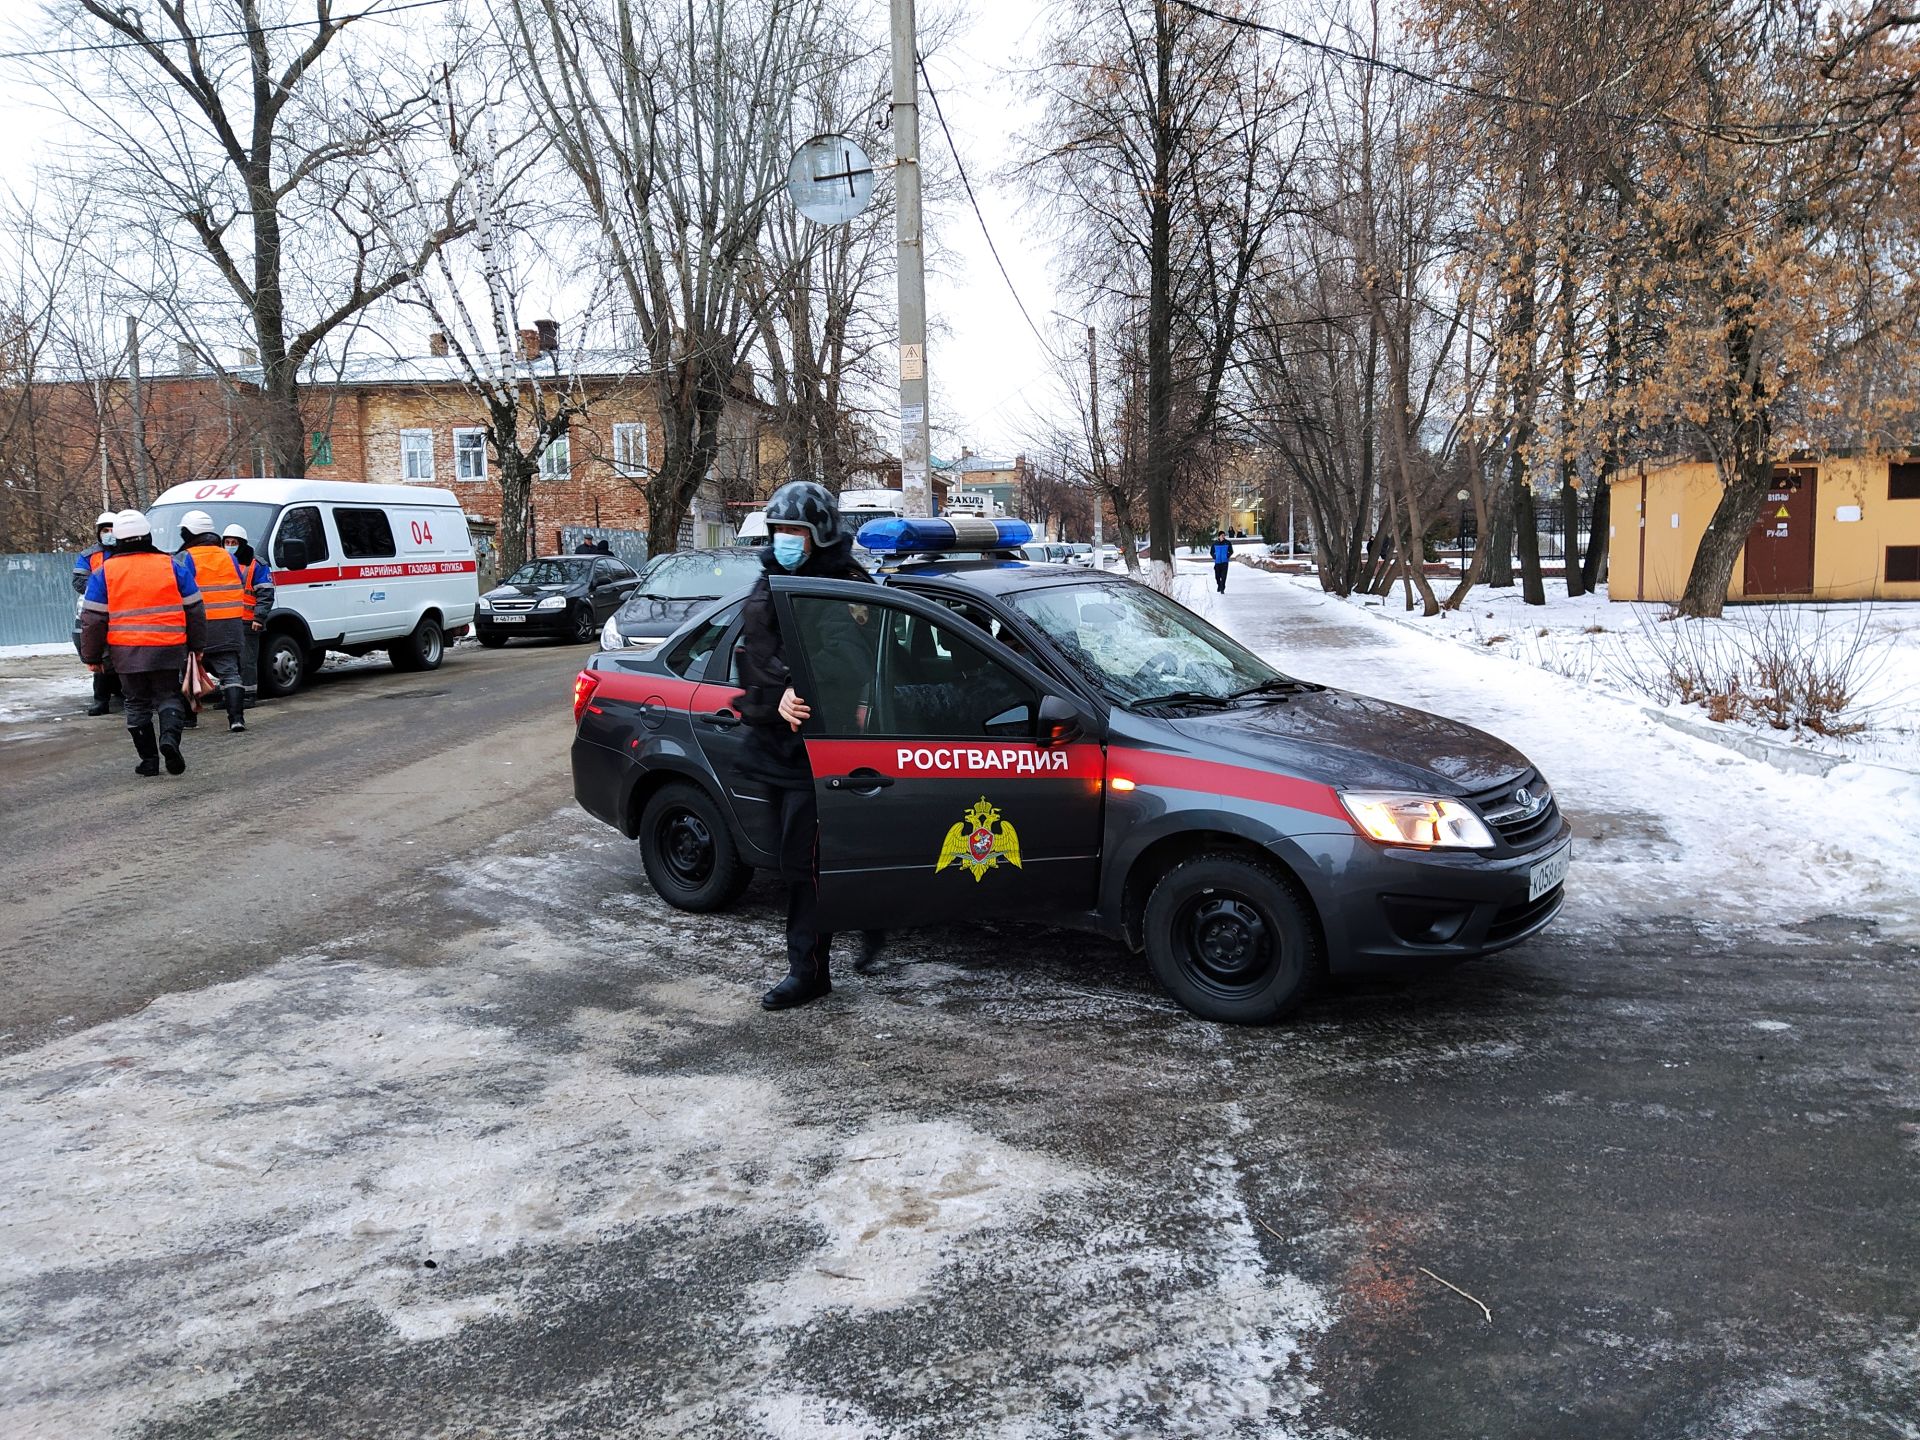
{"x":36,"y":599}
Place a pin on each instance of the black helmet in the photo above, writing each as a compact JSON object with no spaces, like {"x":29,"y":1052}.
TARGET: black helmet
{"x":801,"y":502}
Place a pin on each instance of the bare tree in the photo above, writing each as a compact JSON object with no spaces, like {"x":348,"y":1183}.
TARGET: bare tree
{"x":674,"y":120}
{"x":235,"y":134}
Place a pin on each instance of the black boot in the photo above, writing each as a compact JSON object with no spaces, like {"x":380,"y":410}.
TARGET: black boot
{"x":170,"y":752}
{"x":873,"y":945}
{"x":807,"y":978}
{"x":192,"y":722}
{"x":102,"y":693}
{"x":149,"y":751}
{"x":236,"y":705}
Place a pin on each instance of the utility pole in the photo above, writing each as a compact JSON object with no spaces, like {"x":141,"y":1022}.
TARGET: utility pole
{"x":1099,"y":470}
{"x":139,"y":416}
{"x":915,"y":485}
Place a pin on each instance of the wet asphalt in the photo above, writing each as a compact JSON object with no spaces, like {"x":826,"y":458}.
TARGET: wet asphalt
{"x":497,"y":1144}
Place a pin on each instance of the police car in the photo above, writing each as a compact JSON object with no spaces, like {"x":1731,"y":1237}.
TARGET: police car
{"x":1053,"y":744}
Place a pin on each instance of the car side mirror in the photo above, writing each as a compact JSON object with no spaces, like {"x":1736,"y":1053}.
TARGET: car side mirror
{"x":293,"y":554}
{"x":1061,"y":722}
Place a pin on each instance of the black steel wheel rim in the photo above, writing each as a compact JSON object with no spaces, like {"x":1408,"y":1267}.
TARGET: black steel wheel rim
{"x":1225,"y":945}
{"x":686,"y":848}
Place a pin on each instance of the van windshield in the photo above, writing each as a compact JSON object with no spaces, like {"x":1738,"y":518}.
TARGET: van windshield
{"x":257,"y":516}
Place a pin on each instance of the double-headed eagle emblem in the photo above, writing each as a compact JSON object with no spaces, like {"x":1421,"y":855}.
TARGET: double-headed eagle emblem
{"x":976,"y":845}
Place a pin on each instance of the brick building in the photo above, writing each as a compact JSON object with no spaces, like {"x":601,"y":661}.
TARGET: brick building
{"x":414,"y":420}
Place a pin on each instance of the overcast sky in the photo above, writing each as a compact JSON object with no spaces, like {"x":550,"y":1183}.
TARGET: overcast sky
{"x":991,"y":377}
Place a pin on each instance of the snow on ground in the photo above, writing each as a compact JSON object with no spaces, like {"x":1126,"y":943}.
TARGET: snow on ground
{"x":1622,"y":648}
{"x":28,"y":652}
{"x":1664,"y":822}
{"x":40,"y":695}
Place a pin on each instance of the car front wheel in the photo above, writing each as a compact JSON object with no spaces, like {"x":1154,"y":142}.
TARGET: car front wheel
{"x":1231,"y":940}
{"x":688,"y":851}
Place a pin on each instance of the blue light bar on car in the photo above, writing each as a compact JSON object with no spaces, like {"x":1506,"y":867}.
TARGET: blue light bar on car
{"x":898,"y":536}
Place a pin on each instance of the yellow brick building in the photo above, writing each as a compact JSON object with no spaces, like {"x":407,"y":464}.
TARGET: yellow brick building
{"x":1844,"y":528}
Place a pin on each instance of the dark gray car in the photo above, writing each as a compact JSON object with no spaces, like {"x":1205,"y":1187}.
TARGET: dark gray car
{"x":566,"y":595}
{"x":672,"y":587}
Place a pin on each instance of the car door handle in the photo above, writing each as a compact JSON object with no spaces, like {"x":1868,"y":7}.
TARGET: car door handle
{"x":723,"y":719}
{"x":861,"y":782}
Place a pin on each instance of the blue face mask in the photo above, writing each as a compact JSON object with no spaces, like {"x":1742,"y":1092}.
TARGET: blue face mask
{"x":789,"y":550}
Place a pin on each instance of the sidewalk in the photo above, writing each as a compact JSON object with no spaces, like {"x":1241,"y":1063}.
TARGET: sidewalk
{"x":1664,"y":823}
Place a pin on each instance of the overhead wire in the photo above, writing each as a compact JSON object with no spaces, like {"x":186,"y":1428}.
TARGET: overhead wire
{"x":376,"y":11}
{"x":967,"y":184}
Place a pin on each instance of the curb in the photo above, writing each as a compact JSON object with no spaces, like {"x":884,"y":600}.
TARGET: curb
{"x":1790,"y":759}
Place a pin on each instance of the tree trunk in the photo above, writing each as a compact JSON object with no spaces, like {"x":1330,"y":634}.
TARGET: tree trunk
{"x":1159,"y":466}
{"x":1593,"y":570}
{"x":1570,"y":546}
{"x":516,"y":504}
{"x":1741,"y":502}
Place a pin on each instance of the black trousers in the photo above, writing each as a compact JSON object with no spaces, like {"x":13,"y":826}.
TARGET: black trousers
{"x":155,"y":695}
{"x":1220,"y":576}
{"x":800,"y":872}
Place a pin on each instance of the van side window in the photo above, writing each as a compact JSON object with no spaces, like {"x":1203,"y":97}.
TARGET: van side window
{"x":364,"y":534}
{"x":301,"y":523}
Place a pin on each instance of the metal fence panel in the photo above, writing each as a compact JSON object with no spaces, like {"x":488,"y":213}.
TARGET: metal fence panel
{"x":36,"y":599}
{"x":627,"y":545}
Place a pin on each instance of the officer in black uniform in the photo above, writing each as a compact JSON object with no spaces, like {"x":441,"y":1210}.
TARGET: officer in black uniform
{"x":807,"y":539}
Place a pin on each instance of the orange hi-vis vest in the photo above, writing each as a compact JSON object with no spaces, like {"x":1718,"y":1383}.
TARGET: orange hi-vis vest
{"x":143,"y":601}
{"x":248,"y":600}
{"x":218,"y":575}
{"x":97,"y":559}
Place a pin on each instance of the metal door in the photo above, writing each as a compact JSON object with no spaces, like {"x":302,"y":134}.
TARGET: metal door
{"x":940,"y":799}
{"x":1780,"y":545}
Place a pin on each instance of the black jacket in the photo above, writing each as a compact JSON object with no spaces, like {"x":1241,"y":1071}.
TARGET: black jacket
{"x":776,"y":752}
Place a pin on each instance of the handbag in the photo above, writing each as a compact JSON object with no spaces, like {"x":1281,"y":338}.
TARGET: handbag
{"x":197,"y":684}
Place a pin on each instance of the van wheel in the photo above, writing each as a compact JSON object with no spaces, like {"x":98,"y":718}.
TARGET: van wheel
{"x":1231,"y":941}
{"x":424,"y":649}
{"x":283,"y":665}
{"x":688,"y":850}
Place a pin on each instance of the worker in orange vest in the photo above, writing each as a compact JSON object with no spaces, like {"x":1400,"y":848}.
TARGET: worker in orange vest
{"x":105,"y":686}
{"x":256,"y":594}
{"x":143,"y":609}
{"x":217,"y":574}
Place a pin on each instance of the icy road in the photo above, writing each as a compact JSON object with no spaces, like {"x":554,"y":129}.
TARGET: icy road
{"x":356,"y":1085}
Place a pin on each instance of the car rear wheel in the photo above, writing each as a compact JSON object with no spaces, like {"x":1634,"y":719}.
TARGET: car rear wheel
{"x":422,"y":650}
{"x":688,"y":851}
{"x":1231,"y":940}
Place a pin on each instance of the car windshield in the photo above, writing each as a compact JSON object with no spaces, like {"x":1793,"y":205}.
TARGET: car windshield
{"x":255,"y":516}
{"x":697,"y":575}
{"x":550,"y":572}
{"x":1140,"y":648}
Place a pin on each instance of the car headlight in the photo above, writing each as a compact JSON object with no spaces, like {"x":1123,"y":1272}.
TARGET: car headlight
{"x":552,"y":602}
{"x":610,"y":636}
{"x":1425,"y":822}
{"x":485,"y":603}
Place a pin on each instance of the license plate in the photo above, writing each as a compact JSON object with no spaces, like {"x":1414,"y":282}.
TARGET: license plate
{"x":1549,"y":872}
{"x":509,"y":619}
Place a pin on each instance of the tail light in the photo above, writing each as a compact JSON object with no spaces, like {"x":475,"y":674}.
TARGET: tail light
{"x":584,"y":684}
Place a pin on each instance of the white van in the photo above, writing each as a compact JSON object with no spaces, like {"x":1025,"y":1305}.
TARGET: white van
{"x":355,"y":567}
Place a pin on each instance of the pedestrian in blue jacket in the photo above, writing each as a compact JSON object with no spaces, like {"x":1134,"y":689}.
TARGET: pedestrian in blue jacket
{"x":1222,"y":553}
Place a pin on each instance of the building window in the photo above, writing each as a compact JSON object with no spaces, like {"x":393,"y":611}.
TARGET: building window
{"x":630,"y":449}
{"x":1903,"y":564}
{"x":322,"y":453}
{"x":469,"y":454}
{"x":1903,"y":480}
{"x":416,"y":454}
{"x":556,"y":461}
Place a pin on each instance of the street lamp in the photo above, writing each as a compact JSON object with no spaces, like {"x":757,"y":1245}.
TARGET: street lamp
{"x":1460,"y":534}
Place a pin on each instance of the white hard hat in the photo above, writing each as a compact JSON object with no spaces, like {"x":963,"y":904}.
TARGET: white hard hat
{"x":131,"y":525}
{"x":196,"y":522}
{"x":234,"y":532}
{"x":105,"y":517}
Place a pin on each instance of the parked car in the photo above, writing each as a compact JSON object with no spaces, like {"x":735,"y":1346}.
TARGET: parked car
{"x":356,"y":567}
{"x":567,"y":595}
{"x":672,"y":587}
{"x":1039,"y":743}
